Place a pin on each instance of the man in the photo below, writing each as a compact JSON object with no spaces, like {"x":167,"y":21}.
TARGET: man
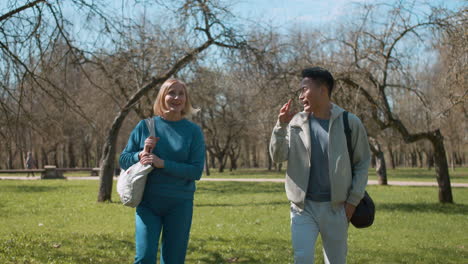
{"x":30,"y":163}
{"x":319,"y":178}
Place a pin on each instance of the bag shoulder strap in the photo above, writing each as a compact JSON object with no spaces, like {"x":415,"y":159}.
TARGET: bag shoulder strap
{"x":150,"y":125}
{"x":347,"y":131}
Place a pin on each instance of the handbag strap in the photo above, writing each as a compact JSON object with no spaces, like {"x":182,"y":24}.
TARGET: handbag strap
{"x":347,"y":131}
{"x":150,"y":125}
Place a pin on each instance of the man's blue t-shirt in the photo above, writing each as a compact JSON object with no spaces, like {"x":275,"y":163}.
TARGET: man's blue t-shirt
{"x":319,"y":181}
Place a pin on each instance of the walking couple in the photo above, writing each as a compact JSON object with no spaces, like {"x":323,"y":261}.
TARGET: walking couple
{"x":322,"y":186}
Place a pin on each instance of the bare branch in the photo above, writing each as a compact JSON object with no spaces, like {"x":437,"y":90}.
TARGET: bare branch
{"x":19,"y":9}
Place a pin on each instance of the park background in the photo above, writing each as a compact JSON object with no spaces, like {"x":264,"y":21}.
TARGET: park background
{"x":77,"y":75}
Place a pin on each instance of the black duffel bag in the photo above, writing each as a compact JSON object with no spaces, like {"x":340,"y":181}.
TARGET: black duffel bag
{"x":365,"y":212}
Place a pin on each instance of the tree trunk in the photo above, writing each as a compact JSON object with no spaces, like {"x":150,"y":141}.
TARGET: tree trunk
{"x":381,"y":168}
{"x":22,"y":159}
{"x":392,"y":158}
{"x":420,"y":158}
{"x":86,"y":158}
{"x":270,"y":162}
{"x":400,"y":159}
{"x":36,"y":158}
{"x":44,"y":158}
{"x":441,"y":167}
{"x":414,"y":159}
{"x":56,"y":161}
{"x":233,"y":162}
{"x":430,"y":160}
{"x":207,"y":166}
{"x":106,"y":171}
{"x":234,"y":154}
{"x":63,"y":157}
{"x":221,"y":162}
{"x":452,"y":160}
{"x":9,"y":163}
{"x":71,"y":154}
{"x":458,"y":160}
{"x":373,"y":161}
{"x":97,"y":153}
{"x":213,"y":161}
{"x":247,"y":153}
{"x":254,"y":156}
{"x":20,"y":150}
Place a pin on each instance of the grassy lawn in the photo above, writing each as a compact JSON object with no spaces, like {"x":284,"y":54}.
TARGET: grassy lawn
{"x":66,"y":174}
{"x":416,"y":174}
{"x":460,"y":175}
{"x":59,"y":221}
{"x":399,"y":174}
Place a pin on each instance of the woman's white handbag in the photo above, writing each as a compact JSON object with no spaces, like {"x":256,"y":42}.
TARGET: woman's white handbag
{"x":131,"y":182}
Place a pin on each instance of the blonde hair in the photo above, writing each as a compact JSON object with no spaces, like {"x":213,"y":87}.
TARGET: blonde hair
{"x":160,"y":107}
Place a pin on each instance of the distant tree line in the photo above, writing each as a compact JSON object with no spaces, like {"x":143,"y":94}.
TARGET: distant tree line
{"x":73,"y":103}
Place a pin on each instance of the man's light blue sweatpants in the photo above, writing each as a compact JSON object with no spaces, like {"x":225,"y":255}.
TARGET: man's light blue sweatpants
{"x":319,"y":217}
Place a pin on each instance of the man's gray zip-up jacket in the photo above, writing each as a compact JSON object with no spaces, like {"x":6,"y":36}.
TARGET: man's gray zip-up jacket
{"x":291,"y":142}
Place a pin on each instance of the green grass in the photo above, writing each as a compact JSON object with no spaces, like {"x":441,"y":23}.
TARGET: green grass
{"x":58,"y":221}
{"x":460,"y":175}
{"x":400,"y":174}
{"x":66,"y":174}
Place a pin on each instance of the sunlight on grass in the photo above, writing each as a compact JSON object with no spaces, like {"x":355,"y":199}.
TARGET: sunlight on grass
{"x":59,"y":221}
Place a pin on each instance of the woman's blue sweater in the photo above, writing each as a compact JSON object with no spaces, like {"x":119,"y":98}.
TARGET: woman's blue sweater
{"x":181,"y":145}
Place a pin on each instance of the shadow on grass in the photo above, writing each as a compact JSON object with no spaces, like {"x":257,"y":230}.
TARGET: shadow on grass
{"x":28,"y":188}
{"x":424,"y":208}
{"x":221,"y":250}
{"x":106,"y":248}
{"x":285,"y":203}
{"x":240,"y":187}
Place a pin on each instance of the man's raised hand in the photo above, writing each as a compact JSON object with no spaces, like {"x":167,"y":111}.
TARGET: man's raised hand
{"x":286,"y":114}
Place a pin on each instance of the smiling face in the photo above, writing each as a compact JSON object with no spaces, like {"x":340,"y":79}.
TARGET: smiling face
{"x":175,"y":98}
{"x":312,"y":95}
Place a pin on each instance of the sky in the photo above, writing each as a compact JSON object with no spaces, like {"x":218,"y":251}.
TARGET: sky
{"x":279,"y":13}
{"x":284,"y":13}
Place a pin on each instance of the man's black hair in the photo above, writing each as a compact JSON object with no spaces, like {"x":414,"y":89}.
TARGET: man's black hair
{"x":321,"y":76}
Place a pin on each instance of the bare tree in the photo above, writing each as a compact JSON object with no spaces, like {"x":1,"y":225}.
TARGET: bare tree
{"x":38,"y":76}
{"x":221,"y":116}
{"x":374,"y":66}
{"x":202,"y":18}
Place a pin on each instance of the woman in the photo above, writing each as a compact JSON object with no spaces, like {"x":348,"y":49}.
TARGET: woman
{"x":178,"y":155}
